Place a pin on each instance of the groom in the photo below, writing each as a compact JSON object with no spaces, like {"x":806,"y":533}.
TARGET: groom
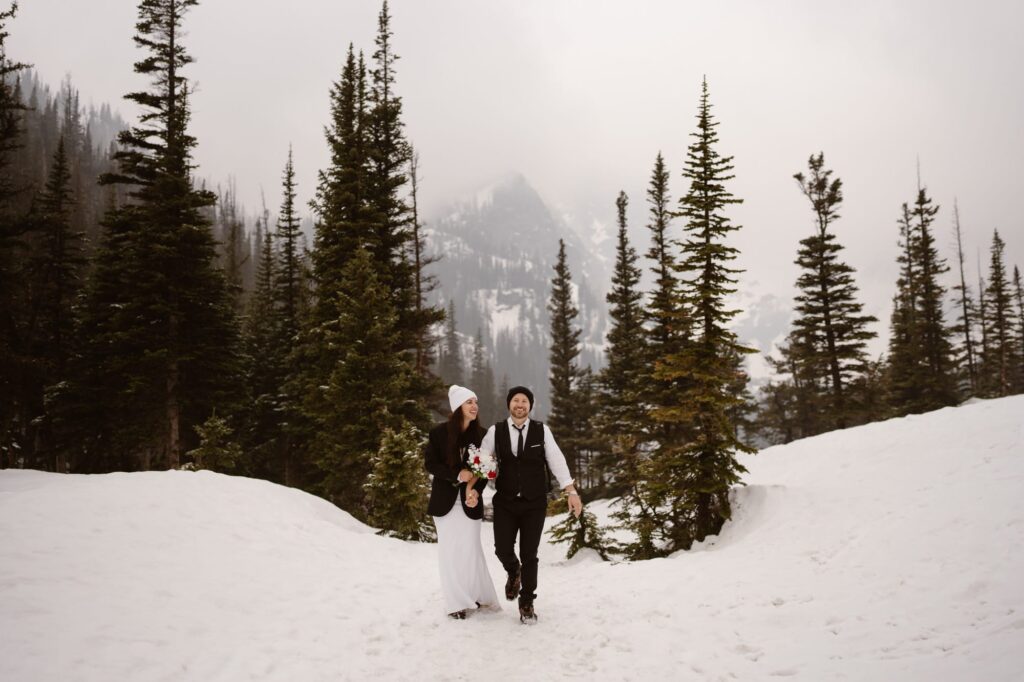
{"x":525,"y":450}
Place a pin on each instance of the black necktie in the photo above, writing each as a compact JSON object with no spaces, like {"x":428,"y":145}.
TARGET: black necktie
{"x":519,"y":448}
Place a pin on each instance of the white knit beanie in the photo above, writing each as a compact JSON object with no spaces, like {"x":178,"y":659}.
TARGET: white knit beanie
{"x":458,"y":395}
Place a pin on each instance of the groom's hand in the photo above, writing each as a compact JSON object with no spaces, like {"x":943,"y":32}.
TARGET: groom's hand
{"x":575,"y":504}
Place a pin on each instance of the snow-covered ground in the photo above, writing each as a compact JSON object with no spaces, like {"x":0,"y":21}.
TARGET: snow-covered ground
{"x":893,"y":551}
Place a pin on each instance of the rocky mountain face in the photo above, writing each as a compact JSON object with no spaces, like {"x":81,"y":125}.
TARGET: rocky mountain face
{"x":497,"y":255}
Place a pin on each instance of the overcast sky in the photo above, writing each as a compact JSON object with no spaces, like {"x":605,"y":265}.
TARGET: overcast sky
{"x":580,"y":96}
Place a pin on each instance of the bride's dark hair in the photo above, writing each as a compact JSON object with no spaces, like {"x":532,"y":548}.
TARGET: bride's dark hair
{"x":454,"y":429}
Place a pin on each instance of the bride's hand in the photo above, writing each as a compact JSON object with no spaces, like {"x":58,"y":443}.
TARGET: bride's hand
{"x":472,"y":497}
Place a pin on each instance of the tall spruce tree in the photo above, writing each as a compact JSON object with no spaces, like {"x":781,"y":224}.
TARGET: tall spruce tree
{"x":667,"y":325}
{"x":367,"y":390}
{"x":289,"y":287}
{"x":564,"y":372}
{"x":1018,"y":295}
{"x":57,"y":270}
{"x":12,"y":299}
{"x":159,"y":329}
{"x":481,"y":380}
{"x":451,"y":368}
{"x":939,"y":381}
{"x":906,"y":367}
{"x":830,"y":331}
{"x":264,"y":368}
{"x":692,"y":479}
{"x":998,"y":361}
{"x":622,"y":381}
{"x":965,"y":306}
{"x":395,"y":231}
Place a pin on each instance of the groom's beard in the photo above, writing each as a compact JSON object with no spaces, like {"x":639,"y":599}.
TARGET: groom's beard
{"x":519,"y":412}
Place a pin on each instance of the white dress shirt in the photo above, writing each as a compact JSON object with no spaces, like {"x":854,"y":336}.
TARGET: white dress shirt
{"x":552,"y":453}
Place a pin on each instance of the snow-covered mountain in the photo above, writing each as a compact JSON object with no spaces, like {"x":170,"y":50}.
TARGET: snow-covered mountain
{"x":892,"y":551}
{"x":498,"y":250}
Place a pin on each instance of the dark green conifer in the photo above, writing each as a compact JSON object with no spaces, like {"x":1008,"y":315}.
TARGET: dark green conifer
{"x":693,"y":479}
{"x":998,"y":361}
{"x":564,"y":372}
{"x":397,"y":488}
{"x":623,"y":381}
{"x":159,"y":328}
{"x":830,"y":331}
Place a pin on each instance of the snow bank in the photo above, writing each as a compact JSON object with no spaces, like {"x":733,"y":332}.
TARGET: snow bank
{"x":887,"y":552}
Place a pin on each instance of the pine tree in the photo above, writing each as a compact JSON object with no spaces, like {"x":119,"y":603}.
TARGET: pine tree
{"x":564,"y":370}
{"x":998,"y":361}
{"x":159,"y":327}
{"x":693,"y":479}
{"x":623,"y":379}
{"x":367,"y":389}
{"x":57,"y":279}
{"x":217,"y":450}
{"x":830,"y":331}
{"x":289,"y":288}
{"x":397,"y":488}
{"x":906,"y":366}
{"x":1018,"y":295}
{"x":12,"y":298}
{"x":395,"y":232}
{"x":965,"y":304}
{"x":667,"y":326}
{"x":481,"y":381}
{"x":939,"y":383}
{"x":451,"y":369}
{"x":264,"y":370}
{"x":579,"y":533}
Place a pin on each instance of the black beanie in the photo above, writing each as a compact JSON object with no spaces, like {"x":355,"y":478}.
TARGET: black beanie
{"x":519,"y":389}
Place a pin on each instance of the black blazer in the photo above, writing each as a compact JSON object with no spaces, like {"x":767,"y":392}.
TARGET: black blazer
{"x":443,"y":490}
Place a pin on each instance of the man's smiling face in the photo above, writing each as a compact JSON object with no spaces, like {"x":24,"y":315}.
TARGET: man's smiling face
{"x":519,"y":406}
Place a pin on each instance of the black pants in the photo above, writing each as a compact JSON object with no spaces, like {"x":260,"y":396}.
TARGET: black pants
{"x":524,"y":518}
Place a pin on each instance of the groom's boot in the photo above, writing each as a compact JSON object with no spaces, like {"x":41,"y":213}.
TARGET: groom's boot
{"x":527,"y":615}
{"x":512,"y":584}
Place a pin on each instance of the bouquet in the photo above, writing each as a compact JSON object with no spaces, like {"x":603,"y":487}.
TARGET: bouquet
{"x":483,"y":466}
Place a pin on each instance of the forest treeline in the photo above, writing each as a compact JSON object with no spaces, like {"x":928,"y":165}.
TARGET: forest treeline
{"x":146,"y":326}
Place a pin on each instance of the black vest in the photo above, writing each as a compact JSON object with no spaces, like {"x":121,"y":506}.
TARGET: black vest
{"x":525,"y":476}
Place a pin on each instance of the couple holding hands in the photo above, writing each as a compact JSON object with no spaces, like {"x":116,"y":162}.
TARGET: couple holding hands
{"x":523,"y":450}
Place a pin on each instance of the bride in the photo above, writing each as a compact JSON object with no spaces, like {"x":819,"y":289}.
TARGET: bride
{"x":458,"y":509}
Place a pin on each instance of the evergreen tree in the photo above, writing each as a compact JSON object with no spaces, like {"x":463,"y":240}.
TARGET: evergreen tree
{"x":564,"y":369}
{"x":397,"y":488}
{"x":1018,"y":294}
{"x":692,"y":479}
{"x":289,"y":287}
{"x":481,"y":381}
{"x":12,"y":299}
{"x":57,"y":272}
{"x":667,"y":325}
{"x":965,"y":304}
{"x":451,"y":360}
{"x":264,"y":369}
{"x":939,"y":386}
{"x":623,"y":379}
{"x":998,"y":361}
{"x":217,"y":450}
{"x":906,"y":367}
{"x":395,"y":232}
{"x":159,"y":330}
{"x":579,"y":533}
{"x":367,"y":390}
{"x":830,"y":331}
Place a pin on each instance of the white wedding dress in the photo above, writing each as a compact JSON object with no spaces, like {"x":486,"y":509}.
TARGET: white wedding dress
{"x":465,"y":581}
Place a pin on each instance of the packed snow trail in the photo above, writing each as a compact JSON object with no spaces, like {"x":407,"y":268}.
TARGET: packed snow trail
{"x":892,"y":551}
